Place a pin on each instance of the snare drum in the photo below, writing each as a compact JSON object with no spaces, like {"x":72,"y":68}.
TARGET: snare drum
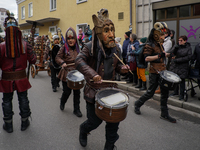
{"x":168,"y":79}
{"x":75,"y":80}
{"x":111,"y":105}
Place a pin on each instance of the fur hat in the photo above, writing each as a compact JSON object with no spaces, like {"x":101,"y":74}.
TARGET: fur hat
{"x":118,"y":39}
{"x":143,"y":40}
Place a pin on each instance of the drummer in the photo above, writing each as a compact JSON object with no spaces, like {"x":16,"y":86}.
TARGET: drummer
{"x":96,"y":61}
{"x":154,"y":54}
{"x":65,"y":57}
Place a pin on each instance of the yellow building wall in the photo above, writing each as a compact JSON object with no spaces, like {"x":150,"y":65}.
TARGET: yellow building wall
{"x":71,"y":14}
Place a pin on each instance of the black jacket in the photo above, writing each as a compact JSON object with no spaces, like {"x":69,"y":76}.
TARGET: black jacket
{"x":180,"y":65}
{"x":196,"y":56}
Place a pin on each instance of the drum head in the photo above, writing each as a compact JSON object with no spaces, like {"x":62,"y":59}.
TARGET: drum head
{"x":112,"y":98}
{"x":170,"y":76}
{"x":75,"y":76}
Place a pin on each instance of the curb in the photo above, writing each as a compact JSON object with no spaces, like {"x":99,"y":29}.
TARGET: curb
{"x":172,"y":101}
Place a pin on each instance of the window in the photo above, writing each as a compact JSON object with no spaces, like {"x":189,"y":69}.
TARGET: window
{"x":30,"y":9}
{"x":80,"y":1}
{"x":2,"y":18}
{"x":185,"y":11}
{"x":172,"y":12}
{"x":23,"y":12}
{"x":160,"y":14}
{"x":196,"y":9}
{"x":82,"y":26}
{"x":52,"y":29}
{"x":121,"y":16}
{"x":52,"y":5}
{"x":2,"y":13}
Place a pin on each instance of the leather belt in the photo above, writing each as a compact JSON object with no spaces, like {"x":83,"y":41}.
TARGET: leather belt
{"x":13,"y":75}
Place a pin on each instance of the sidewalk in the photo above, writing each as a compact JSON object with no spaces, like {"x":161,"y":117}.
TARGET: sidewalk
{"x":192,"y":104}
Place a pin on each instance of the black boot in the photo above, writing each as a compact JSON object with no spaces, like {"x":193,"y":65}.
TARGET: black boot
{"x":109,"y":146}
{"x":54,"y":89}
{"x":144,"y":87}
{"x":138,"y":104}
{"x":24,"y":124}
{"x":166,"y":116}
{"x":82,"y":137}
{"x":140,"y":84}
{"x":62,"y":105}
{"x":8,"y":126}
{"x":77,"y":113}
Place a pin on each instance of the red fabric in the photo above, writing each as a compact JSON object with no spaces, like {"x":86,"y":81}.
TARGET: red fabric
{"x":20,"y":63}
{"x":133,"y":65}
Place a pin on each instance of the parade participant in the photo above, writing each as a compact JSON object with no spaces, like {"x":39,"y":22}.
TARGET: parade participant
{"x":96,"y":61}
{"x":155,"y":54}
{"x":66,"y":56}
{"x":14,"y":53}
{"x":55,"y":68}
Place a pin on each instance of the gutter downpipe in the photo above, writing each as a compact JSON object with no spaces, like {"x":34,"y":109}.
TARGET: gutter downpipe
{"x":130,"y":26}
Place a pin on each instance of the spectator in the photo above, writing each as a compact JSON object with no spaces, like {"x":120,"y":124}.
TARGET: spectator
{"x":141,"y":67}
{"x":172,"y":37}
{"x":80,"y":31}
{"x":80,"y":40}
{"x":182,"y":54}
{"x":117,"y":41}
{"x":196,"y":57}
{"x":133,"y":46}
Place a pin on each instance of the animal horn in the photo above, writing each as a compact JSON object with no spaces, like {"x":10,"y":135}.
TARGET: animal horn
{"x":158,"y":26}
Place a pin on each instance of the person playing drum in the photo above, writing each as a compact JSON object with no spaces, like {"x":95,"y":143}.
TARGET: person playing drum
{"x":154,"y":54}
{"x":55,"y":68}
{"x":97,"y":61}
{"x":65,"y":57}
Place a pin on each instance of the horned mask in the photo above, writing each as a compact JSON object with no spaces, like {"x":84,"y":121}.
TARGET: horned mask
{"x":99,"y":23}
{"x":160,"y":29}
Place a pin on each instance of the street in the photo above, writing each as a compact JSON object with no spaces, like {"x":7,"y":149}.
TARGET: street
{"x":53,"y":129}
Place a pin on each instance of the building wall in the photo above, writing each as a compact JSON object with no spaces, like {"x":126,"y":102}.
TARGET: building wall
{"x":2,"y":17}
{"x":71,"y":14}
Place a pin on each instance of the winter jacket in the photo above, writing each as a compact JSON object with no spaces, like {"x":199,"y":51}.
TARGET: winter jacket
{"x":124,"y":47}
{"x":196,"y":56}
{"x":130,"y":56}
{"x":167,"y":44}
{"x":180,"y":65}
{"x":137,"y":53}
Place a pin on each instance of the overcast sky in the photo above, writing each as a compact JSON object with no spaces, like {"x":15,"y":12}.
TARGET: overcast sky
{"x":10,"y":5}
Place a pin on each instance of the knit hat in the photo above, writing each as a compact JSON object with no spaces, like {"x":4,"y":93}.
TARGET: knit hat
{"x":118,"y":39}
{"x":55,"y":37}
{"x":143,"y":40}
{"x":128,"y":33}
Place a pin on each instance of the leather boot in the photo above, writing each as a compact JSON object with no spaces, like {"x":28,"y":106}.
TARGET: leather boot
{"x":144,"y":87}
{"x":54,"y":89}
{"x":140,"y":84}
{"x":8,"y":126}
{"x":24,"y":124}
{"x":83,"y":137}
{"x":157,"y":91}
{"x":62,"y":105}
{"x":77,"y":113}
{"x":165,"y":115}
{"x":138,"y":104}
{"x":109,"y":146}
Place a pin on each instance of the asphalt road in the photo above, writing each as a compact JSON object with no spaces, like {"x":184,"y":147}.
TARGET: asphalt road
{"x":53,"y":129}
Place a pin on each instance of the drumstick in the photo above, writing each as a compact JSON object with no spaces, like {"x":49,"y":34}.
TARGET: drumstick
{"x":110,"y":81}
{"x":122,"y":63}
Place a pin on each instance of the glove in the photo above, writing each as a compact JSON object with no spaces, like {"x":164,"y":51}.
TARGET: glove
{"x":161,"y":55}
{"x":97,"y":78}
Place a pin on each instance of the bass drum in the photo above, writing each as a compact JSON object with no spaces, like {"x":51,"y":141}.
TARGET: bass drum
{"x":168,"y":80}
{"x":75,"y":80}
{"x":111,"y":104}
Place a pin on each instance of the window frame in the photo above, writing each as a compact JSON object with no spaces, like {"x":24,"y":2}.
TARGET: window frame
{"x":78,"y":26}
{"x":54,"y":28}
{"x":23,"y":17}
{"x":53,"y":9}
{"x":79,"y":2}
{"x":29,"y":14}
